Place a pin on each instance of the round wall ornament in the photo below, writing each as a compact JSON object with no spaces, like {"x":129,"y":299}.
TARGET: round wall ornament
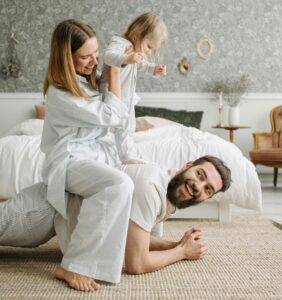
{"x":184,"y":66}
{"x":205,"y":47}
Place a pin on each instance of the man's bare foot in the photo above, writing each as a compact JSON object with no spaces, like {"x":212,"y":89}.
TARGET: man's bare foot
{"x":76,"y":281}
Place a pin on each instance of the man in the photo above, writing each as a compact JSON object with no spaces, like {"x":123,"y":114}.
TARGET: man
{"x":156,"y":197}
{"x":28,"y":219}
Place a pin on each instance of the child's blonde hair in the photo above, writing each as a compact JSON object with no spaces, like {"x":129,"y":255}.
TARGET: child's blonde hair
{"x":145,"y":25}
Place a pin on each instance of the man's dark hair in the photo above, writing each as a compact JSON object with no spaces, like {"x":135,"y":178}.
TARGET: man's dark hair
{"x":221,"y":168}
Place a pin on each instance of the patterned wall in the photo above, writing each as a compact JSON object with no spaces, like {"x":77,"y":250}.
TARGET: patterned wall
{"x":247,"y":35}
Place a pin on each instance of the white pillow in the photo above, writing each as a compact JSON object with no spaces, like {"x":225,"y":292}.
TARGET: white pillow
{"x":21,"y":163}
{"x":28,"y":127}
{"x":173,"y":146}
{"x":146,"y":123}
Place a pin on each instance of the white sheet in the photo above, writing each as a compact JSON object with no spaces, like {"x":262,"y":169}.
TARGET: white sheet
{"x":21,"y":163}
{"x":170,"y":147}
{"x":28,"y":127}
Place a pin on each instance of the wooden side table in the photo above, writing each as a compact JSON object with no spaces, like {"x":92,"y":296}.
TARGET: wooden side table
{"x":231,"y":129}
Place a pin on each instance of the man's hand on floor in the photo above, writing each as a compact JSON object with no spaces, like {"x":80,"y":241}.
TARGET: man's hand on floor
{"x":193,"y":246}
{"x":188,"y":233}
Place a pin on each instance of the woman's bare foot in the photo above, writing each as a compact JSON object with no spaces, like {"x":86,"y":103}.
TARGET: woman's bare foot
{"x":76,"y":281}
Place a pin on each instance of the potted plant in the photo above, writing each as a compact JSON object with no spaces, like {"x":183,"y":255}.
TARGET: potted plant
{"x":232,"y":91}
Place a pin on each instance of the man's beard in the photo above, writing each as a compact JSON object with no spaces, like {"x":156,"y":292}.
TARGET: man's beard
{"x":174,"y":183}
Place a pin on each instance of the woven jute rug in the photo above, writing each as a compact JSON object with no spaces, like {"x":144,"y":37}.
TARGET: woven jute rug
{"x":244,"y":262}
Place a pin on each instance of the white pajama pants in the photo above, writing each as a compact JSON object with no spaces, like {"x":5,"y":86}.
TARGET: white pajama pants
{"x":97,"y":244}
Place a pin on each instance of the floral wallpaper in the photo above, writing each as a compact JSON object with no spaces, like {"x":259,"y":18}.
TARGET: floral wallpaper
{"x":247,"y":38}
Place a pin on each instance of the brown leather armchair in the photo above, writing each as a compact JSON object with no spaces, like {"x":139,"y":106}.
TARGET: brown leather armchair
{"x":268,"y":146}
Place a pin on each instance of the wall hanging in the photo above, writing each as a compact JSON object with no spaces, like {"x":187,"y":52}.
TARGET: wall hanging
{"x":205,"y":47}
{"x":12,"y":66}
{"x":184,"y":66}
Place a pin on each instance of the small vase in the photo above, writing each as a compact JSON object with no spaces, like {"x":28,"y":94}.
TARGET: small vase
{"x":234,"y":115}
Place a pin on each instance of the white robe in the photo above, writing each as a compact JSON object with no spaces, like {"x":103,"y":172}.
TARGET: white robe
{"x":72,"y":128}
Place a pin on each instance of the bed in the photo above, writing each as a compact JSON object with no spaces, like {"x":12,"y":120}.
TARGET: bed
{"x":168,"y":144}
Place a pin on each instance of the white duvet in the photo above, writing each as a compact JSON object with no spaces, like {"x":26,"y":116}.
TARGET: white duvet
{"x":169,"y":146}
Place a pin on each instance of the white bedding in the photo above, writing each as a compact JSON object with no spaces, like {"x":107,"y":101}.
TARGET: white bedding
{"x":169,"y":146}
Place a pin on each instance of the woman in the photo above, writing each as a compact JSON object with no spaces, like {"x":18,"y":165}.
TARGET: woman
{"x":77,"y":161}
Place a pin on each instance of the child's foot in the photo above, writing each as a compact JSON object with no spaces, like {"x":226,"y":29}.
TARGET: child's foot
{"x":76,"y":281}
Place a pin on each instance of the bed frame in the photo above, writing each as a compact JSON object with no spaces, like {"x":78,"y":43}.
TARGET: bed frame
{"x":207,"y":210}
{"x":21,"y":107}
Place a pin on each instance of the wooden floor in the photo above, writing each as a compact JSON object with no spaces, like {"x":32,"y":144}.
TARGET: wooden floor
{"x":271,"y":201}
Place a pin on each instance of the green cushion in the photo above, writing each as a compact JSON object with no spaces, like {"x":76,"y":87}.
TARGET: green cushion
{"x":186,"y":118}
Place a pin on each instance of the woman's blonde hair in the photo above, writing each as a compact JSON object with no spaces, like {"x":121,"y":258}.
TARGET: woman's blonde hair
{"x":145,"y":25}
{"x":67,"y":38}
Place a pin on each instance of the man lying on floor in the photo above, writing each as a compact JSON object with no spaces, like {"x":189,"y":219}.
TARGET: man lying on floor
{"x":28,"y":219}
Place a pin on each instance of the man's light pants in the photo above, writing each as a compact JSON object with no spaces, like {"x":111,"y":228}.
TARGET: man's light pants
{"x":97,"y":244}
{"x":26,"y":220}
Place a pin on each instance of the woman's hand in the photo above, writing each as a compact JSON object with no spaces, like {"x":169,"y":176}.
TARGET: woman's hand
{"x":134,"y":57}
{"x":131,"y":56}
